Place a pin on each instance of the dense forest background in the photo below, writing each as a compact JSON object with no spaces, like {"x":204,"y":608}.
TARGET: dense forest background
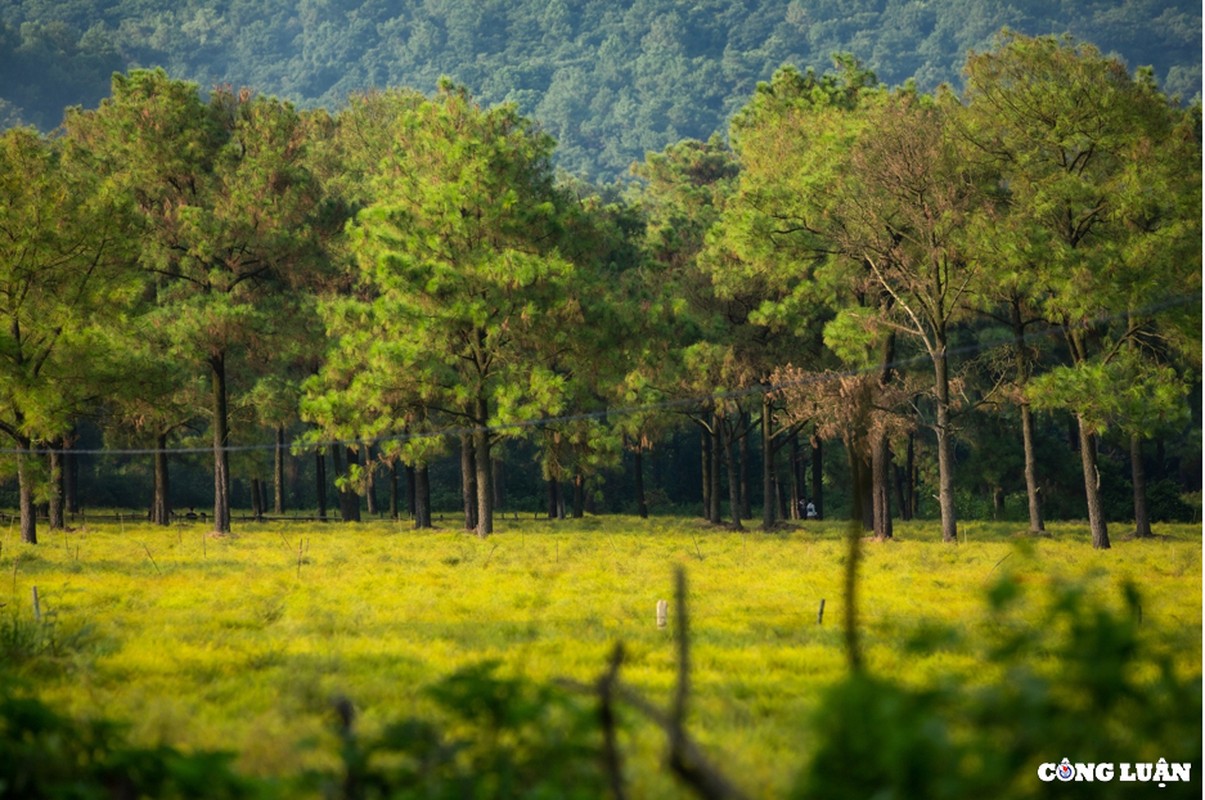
{"x":608,"y":80}
{"x":953,"y":270}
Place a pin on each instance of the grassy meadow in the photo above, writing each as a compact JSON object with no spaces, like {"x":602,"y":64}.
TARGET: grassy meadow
{"x":241,"y":643}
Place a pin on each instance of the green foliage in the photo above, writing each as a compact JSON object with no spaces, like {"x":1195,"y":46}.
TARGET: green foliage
{"x":46,"y":755}
{"x":1069,"y":677}
{"x":1124,"y":391}
{"x":43,"y":646}
{"x":493,"y":737}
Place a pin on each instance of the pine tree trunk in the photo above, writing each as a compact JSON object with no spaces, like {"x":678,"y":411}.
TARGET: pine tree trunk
{"x":411,"y":490}
{"x":715,"y":514}
{"x":865,"y":488}
{"x":370,"y":485}
{"x":798,"y":481}
{"x":393,"y":490}
{"x":767,"y":463}
{"x":945,"y":448}
{"x":1096,"y":514}
{"x":579,"y":496}
{"x":468,"y":483}
{"x":422,"y":497}
{"x":880,"y":460}
{"x":742,"y":454}
{"x":161,"y":510}
{"x":818,"y":476}
{"x":221,"y":441}
{"x":320,"y":482}
{"x":1036,"y":524}
{"x":25,"y":504}
{"x":278,"y":473}
{"x":484,"y":485}
{"x":337,"y":464}
{"x":734,"y":494}
{"x":642,"y":506}
{"x":705,"y":450}
{"x":1142,"y":519}
{"x":349,"y":498}
{"x":257,"y":508}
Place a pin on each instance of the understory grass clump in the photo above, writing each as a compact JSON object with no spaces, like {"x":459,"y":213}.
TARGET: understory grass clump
{"x":446,"y":646}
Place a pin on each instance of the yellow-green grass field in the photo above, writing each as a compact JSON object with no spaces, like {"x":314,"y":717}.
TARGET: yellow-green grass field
{"x":240,"y":643}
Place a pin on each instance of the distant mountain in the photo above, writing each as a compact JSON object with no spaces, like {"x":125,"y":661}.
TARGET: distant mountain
{"x":610,"y":79}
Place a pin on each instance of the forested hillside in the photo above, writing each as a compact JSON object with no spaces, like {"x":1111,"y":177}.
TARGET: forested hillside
{"x":609,"y":80}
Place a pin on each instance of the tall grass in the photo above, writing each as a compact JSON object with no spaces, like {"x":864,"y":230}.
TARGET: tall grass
{"x":243,"y":642}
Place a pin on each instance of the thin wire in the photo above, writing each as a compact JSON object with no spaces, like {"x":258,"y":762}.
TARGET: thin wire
{"x":687,"y":402}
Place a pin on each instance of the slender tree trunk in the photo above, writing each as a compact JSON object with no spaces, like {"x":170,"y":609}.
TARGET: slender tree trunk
{"x":1142,"y":519}
{"x":221,"y":441}
{"x":161,"y":509}
{"x":909,"y":501}
{"x":742,"y":453}
{"x":25,"y":504}
{"x":485,"y":490}
{"x":257,"y":507}
{"x":880,"y":453}
{"x":1032,"y":490}
{"x":767,"y":463}
{"x":468,"y":482}
{"x":579,"y":496}
{"x":56,"y":487}
{"x":1096,"y":514}
{"x":278,"y":473}
{"x":553,"y":487}
{"x":337,"y":464}
{"x":797,"y":479}
{"x":370,"y":485}
{"x":422,"y":497}
{"x":411,"y":490}
{"x":1036,"y":524}
{"x":320,"y":482}
{"x":727,"y":433}
{"x":393,"y":490}
{"x":716,"y":514}
{"x":865,"y":486}
{"x":880,"y":461}
{"x":350,"y":497}
{"x":705,"y":450}
{"x":642,"y":506}
{"x":818,"y":476}
{"x":945,"y":447}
